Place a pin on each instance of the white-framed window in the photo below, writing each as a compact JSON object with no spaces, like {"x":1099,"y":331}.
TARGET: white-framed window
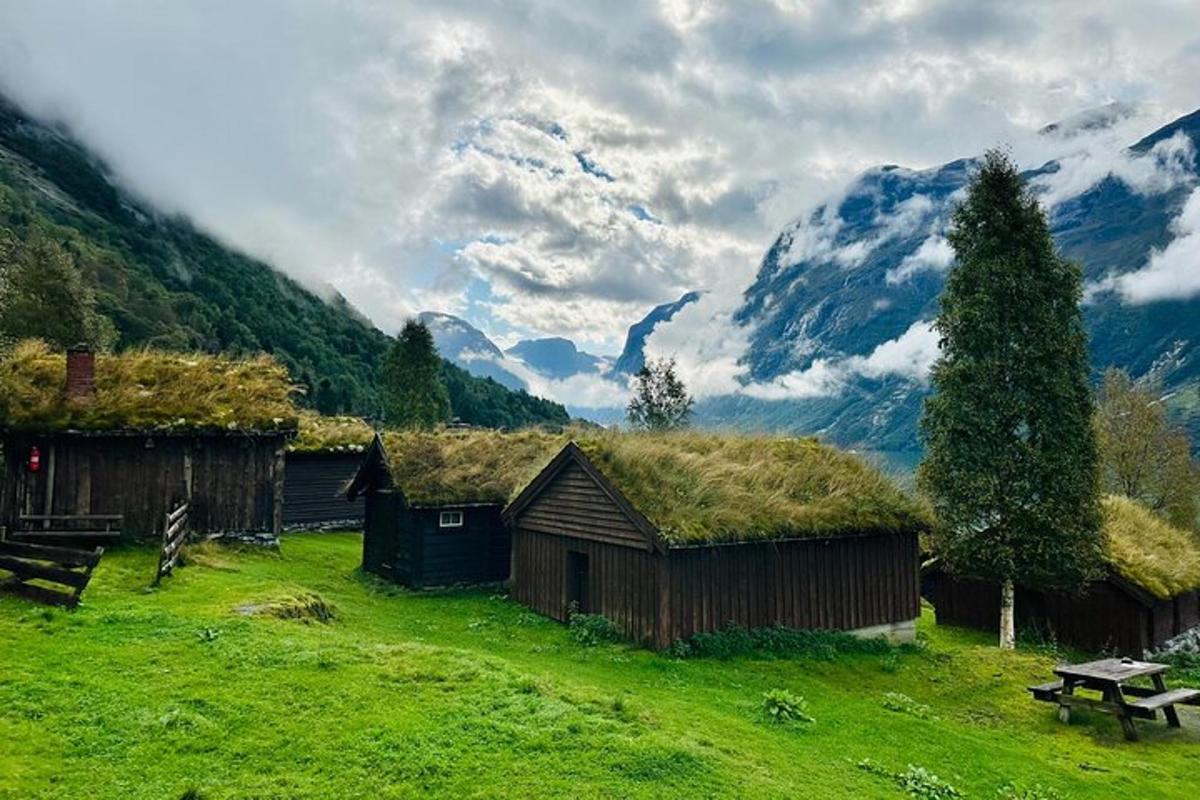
{"x":450,"y":519}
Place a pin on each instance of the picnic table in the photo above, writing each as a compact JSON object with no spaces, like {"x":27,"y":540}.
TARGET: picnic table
{"x":1110,"y":677}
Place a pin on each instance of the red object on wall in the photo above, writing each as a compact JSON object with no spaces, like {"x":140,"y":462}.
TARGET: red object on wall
{"x":35,"y":459}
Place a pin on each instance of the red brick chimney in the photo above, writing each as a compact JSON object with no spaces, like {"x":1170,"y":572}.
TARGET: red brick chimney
{"x":81,"y":374}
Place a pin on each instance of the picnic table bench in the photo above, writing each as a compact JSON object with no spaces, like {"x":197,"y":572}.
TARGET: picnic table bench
{"x":1109,"y":676}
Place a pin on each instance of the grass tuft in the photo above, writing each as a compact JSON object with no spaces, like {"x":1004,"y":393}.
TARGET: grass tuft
{"x":304,"y":606}
{"x":321,"y":434}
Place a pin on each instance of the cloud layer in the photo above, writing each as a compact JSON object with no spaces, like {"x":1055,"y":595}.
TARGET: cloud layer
{"x":547,"y":168}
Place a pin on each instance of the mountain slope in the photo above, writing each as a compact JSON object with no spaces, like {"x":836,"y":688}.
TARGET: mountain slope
{"x":633,"y":356}
{"x":466,"y":346}
{"x":165,"y":284}
{"x":858,"y":275}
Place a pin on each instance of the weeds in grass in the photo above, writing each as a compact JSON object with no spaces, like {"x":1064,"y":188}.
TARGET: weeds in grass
{"x":916,"y":782}
{"x":1039,"y":636}
{"x":890,"y":663}
{"x":903,"y":704}
{"x":778,"y":641}
{"x":590,"y":630}
{"x":1035,"y":792}
{"x":781,"y":706}
{"x":208,"y":634}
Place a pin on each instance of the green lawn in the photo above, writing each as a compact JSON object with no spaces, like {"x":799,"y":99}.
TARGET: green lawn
{"x":180,"y":692}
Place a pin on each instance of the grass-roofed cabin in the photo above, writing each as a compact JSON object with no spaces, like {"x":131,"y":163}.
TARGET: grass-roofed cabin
{"x":678,"y":534}
{"x":321,"y":460}
{"x":1148,"y":595}
{"x":434,"y":502}
{"x":134,"y":434}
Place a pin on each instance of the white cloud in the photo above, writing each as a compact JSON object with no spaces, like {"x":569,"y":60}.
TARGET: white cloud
{"x":910,"y":355}
{"x":935,"y":254}
{"x":1173,"y":273}
{"x":410,"y":152}
{"x":1167,"y":164}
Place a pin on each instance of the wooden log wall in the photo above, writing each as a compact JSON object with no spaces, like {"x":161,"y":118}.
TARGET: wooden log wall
{"x":840,"y":583}
{"x":314,"y":490}
{"x":477,"y":552}
{"x":234,"y":483}
{"x":622,"y":581}
{"x":1103,"y":618}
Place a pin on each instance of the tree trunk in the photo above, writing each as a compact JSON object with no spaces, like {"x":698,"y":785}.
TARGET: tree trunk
{"x":1008,"y":634}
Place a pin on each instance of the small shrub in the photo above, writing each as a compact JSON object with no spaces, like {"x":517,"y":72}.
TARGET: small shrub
{"x":1035,"y":792}
{"x":1039,"y":636}
{"x":890,"y":663}
{"x":781,"y":706}
{"x":590,"y":630}
{"x":903,"y":704}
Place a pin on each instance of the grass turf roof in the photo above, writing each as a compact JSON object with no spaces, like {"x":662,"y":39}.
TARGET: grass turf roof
{"x":322,"y":434}
{"x":468,"y":466}
{"x":146,"y":391}
{"x":695,"y":488}
{"x":702,"y":488}
{"x":1148,"y":552}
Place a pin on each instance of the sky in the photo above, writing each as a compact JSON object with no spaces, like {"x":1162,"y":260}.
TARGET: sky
{"x":558,"y":168}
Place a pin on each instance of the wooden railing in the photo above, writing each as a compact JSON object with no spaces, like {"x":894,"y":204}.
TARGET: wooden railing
{"x":70,"y":569}
{"x":67,"y":527}
{"x":175,"y":534}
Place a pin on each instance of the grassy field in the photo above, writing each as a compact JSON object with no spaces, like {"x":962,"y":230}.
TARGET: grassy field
{"x":195,"y":690}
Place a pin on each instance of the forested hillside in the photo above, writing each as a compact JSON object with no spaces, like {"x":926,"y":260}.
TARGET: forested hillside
{"x":165,"y":284}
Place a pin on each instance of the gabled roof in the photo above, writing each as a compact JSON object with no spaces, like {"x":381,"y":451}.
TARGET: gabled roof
{"x":692,"y":488}
{"x":146,"y":391}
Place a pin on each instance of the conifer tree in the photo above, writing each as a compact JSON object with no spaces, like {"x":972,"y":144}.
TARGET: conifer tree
{"x":1011,"y":457}
{"x":413,"y":393}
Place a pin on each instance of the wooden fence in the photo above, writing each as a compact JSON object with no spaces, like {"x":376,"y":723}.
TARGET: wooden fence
{"x":175,"y":534}
{"x":67,"y":571}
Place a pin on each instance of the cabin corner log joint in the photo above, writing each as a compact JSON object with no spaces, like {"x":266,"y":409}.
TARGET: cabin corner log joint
{"x":578,"y":542}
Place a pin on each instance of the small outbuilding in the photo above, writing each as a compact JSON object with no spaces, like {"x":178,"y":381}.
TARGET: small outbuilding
{"x":673,"y":535}
{"x":321,"y":460}
{"x":1149,"y":594}
{"x":124,"y":439}
{"x":434,"y":502}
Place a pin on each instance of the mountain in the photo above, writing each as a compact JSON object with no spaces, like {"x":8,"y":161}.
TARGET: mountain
{"x":166,"y":284}
{"x":633,"y":356}
{"x":466,"y":346}
{"x":555,"y":357}
{"x":844,"y":295}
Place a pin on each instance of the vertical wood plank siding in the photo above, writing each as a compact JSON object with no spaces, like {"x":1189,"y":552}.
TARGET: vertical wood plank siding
{"x":314,"y":489}
{"x":235,"y":481}
{"x":1102,"y":618}
{"x":656,"y":599}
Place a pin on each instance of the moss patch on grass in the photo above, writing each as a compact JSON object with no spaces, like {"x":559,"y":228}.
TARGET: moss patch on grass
{"x":146,"y":390}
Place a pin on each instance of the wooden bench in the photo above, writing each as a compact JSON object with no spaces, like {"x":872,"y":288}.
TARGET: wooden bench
{"x":1047,"y":692}
{"x":60,"y":528}
{"x":1148,"y":707}
{"x":68,"y":572}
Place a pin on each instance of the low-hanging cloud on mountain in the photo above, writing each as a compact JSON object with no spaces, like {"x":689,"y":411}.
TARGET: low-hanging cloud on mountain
{"x":548,"y":168}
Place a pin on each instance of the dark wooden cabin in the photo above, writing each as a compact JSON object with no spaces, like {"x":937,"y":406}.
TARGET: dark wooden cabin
{"x":137,"y":456}
{"x":1148,"y":595}
{"x":428,"y":540}
{"x":579,"y":542}
{"x":314,"y":490}
{"x":1112,"y":615}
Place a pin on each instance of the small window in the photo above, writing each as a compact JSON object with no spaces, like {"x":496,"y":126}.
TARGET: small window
{"x":450,"y":519}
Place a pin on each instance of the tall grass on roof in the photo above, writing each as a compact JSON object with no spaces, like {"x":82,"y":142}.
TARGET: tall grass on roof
{"x":1149,"y":552}
{"x":146,"y":390}
{"x":702,"y":487}
{"x":470,"y":466}
{"x":326,"y":434}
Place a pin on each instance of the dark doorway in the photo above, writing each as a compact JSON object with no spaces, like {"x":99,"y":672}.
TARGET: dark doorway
{"x":577,"y":582}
